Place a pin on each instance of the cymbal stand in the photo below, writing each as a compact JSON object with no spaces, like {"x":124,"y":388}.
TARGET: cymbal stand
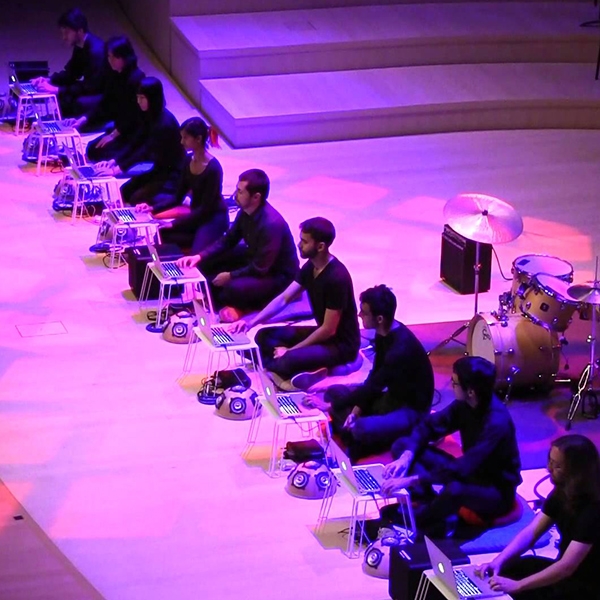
{"x":464,"y":326}
{"x":585,"y":385}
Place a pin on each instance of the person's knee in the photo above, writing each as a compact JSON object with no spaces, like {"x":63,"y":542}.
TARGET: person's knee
{"x":453,"y":489}
{"x":335,"y":395}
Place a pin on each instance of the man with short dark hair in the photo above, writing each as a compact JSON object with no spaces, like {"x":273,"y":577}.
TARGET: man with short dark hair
{"x":397,"y":392}
{"x":256,"y":259}
{"x":485,"y":478}
{"x":299,"y":356}
{"x":79,"y":86}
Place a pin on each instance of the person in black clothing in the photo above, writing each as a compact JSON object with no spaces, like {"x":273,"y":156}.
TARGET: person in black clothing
{"x":573,"y":507}
{"x":256,"y":259}
{"x":206,"y":219}
{"x":118,"y":105}
{"x":398,"y":391}
{"x":303,"y":354}
{"x":156,"y":142}
{"x":79,"y":86}
{"x":485,"y":478}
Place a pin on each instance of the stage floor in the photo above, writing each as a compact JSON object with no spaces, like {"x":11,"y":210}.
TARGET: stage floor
{"x":143,"y":489}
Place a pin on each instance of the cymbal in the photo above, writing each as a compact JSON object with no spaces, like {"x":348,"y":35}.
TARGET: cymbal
{"x":589,"y":294}
{"x":483,"y":218}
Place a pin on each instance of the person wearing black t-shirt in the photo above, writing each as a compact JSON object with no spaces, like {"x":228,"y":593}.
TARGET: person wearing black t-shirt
{"x":256,"y":258}
{"x":485,"y":478}
{"x":398,"y":391}
{"x":79,"y":86}
{"x":206,"y":218}
{"x":574,"y":508}
{"x":301,"y":355}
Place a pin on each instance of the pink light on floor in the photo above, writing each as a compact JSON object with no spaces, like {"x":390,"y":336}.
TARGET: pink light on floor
{"x":329,"y":191}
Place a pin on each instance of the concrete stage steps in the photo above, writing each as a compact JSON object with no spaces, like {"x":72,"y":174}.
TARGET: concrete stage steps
{"x":367,"y":103}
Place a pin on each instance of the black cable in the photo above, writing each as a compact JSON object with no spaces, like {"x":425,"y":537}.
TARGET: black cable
{"x":537,"y":485}
{"x":500,"y":266}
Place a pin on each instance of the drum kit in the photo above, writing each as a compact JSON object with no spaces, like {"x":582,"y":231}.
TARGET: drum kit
{"x":525,"y":336}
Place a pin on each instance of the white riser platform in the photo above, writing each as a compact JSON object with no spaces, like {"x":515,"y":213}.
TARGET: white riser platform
{"x":315,"y":107}
{"x":365,"y":37}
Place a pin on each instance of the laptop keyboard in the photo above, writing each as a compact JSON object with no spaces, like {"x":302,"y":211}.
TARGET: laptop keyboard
{"x":287,"y":405}
{"x":465,"y":585}
{"x":28,"y":88}
{"x":366,"y":480}
{"x":221,"y":335}
{"x":172,"y":270}
{"x":51,"y":127}
{"x":125,"y":215}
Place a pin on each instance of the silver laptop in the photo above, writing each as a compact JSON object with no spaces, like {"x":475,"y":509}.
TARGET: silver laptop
{"x":366,"y":479}
{"x":217,"y":334}
{"x":461,"y":582}
{"x":287,"y":404}
{"x":125,"y":216}
{"x":167,"y":269}
{"x":23,"y":89}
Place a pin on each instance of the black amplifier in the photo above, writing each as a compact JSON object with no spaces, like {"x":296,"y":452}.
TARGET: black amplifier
{"x":458,"y":261}
{"x":138,"y":257}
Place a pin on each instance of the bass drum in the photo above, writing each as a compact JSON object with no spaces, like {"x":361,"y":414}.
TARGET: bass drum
{"x":524,"y":353}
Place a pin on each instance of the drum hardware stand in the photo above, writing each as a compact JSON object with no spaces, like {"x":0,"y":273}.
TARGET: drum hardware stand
{"x":585,"y":386}
{"x":464,"y":326}
{"x":483,"y":220}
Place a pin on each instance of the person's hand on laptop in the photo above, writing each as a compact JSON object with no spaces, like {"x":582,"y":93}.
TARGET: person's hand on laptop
{"x":46,"y":87}
{"x":391,"y":486}
{"x":487,"y":570}
{"x":106,"y":139}
{"x":142,"y":208}
{"x":399,"y":467}
{"x":504,"y":584}
{"x":222,"y":279}
{"x":240,"y":326}
{"x":39,"y":81}
{"x":187,"y":262}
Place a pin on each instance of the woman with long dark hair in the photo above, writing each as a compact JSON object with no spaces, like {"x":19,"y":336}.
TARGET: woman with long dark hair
{"x":206,"y":218}
{"x":156,"y":142}
{"x":119,"y":102}
{"x":574,"y":508}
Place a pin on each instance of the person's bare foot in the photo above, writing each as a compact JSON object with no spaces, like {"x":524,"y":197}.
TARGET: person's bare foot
{"x":316,"y":401}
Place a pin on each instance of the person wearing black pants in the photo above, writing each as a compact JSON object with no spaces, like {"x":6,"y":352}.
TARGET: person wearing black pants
{"x":485,"y":478}
{"x":255,"y":259}
{"x":398,"y":391}
{"x":206,"y":219}
{"x":297,"y":356}
{"x":573,"y":507}
{"x":156,"y":142}
{"x":80,"y":85}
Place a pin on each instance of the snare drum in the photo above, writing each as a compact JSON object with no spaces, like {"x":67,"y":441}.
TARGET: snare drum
{"x":524,"y":353}
{"x":525,"y":268}
{"x":547,"y":302}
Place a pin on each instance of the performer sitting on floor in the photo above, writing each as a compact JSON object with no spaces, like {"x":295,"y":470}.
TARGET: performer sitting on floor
{"x":156,"y":142}
{"x":79,"y":86}
{"x":255,"y":260}
{"x":397,"y":392}
{"x":206,"y":218}
{"x":119,"y":102}
{"x":299,"y":356}
{"x":485,"y":478}
{"x":573,"y":507}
